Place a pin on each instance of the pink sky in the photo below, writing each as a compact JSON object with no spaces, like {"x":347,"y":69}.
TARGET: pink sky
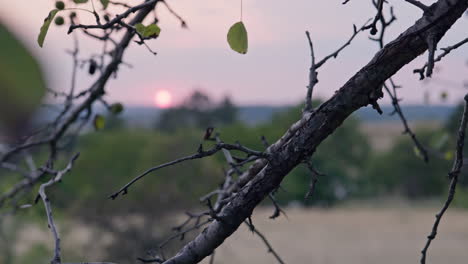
{"x":274,"y":71}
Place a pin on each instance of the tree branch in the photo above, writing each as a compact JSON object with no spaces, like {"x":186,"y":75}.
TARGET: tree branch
{"x":453,"y":175}
{"x":317,"y":126}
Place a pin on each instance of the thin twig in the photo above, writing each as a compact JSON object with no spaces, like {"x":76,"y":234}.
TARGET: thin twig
{"x":445,"y":52}
{"x":453,"y":176}
{"x":265,"y":241}
{"x":312,"y":76}
{"x":416,"y":3}
{"x":42,"y":194}
{"x":200,"y":154}
{"x":407,"y":130}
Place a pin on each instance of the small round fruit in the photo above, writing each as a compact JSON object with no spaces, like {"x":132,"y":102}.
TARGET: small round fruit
{"x":59,"y":21}
{"x":60,"y":5}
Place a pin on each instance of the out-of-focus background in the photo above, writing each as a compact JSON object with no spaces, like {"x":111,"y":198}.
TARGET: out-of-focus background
{"x":376,"y":202}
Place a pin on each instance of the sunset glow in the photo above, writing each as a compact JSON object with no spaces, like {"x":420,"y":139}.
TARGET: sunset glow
{"x":163,"y":99}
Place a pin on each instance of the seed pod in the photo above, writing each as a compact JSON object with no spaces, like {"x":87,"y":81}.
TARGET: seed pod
{"x":116,"y":108}
{"x":92,"y":66}
{"x":59,"y":21}
{"x":60,"y":5}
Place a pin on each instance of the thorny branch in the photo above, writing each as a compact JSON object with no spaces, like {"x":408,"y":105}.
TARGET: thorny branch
{"x":418,"y":4}
{"x":407,"y":130}
{"x":316,"y":126}
{"x":313,"y":80}
{"x":445,"y":52}
{"x":313,"y":179}
{"x":77,"y":113}
{"x":384,"y":23}
{"x":265,"y":241}
{"x":42,"y":194}
{"x":117,"y":19}
{"x":200,"y":154}
{"x":373,"y":26}
{"x":238,"y":196}
{"x":312,"y":76}
{"x":453,"y":176}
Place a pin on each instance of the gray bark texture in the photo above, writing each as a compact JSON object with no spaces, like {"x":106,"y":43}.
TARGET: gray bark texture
{"x":301,"y":140}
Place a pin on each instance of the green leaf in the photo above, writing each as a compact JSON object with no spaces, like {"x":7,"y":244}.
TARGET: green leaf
{"x":105,"y":3}
{"x":99,"y":122}
{"x":237,"y":38}
{"x":22,"y":86}
{"x":148,"y":31}
{"x":45,"y":27}
{"x":443,"y":96}
{"x":80,"y":1}
{"x":448,"y":155}
{"x":417,"y":152}
{"x":116,"y":108}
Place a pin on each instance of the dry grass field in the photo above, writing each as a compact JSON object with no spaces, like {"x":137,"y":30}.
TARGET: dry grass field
{"x":350,"y":235}
{"x":382,"y":135}
{"x":355,"y":234}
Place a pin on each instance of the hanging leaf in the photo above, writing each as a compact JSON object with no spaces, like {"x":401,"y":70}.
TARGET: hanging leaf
{"x":99,"y":122}
{"x":80,"y":1}
{"x":149,"y":31}
{"x":443,"y":96}
{"x":448,"y":155}
{"x":105,"y":3}
{"x":116,"y":108}
{"x":45,"y":27}
{"x":417,"y":152}
{"x":237,"y":38}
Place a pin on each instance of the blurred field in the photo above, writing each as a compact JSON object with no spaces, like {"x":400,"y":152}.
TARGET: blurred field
{"x":350,"y":235}
{"x":382,"y":135}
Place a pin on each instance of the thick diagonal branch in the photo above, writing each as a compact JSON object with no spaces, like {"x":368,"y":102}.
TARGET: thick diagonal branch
{"x":317,"y":126}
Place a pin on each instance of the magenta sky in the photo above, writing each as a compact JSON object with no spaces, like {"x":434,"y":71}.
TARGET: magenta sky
{"x":275,"y":69}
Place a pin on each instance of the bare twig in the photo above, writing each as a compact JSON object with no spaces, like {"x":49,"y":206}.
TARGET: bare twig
{"x":200,"y":154}
{"x":183,"y":24}
{"x":453,"y":176}
{"x":407,"y":130}
{"x":313,"y":179}
{"x":445,"y":52}
{"x":278,"y":211}
{"x":42,"y":194}
{"x":313,"y":80}
{"x":393,"y":92}
{"x":265,"y":241}
{"x":118,"y":18}
{"x":312,"y":76}
{"x":335,"y":54}
{"x":416,"y":3}
{"x":212,"y":257}
{"x":373,"y":25}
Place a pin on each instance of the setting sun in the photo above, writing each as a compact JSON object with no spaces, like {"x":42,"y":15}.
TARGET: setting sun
{"x":163,"y":99}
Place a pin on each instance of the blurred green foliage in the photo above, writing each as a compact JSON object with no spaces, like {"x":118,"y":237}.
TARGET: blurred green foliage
{"x":114,"y":155}
{"x":400,"y":171}
{"x":110,"y":159}
{"x":341,"y":157}
{"x":197,"y":112}
{"x":21,"y":82}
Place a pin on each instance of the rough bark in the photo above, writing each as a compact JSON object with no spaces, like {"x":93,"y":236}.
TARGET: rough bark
{"x":364,"y":88}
